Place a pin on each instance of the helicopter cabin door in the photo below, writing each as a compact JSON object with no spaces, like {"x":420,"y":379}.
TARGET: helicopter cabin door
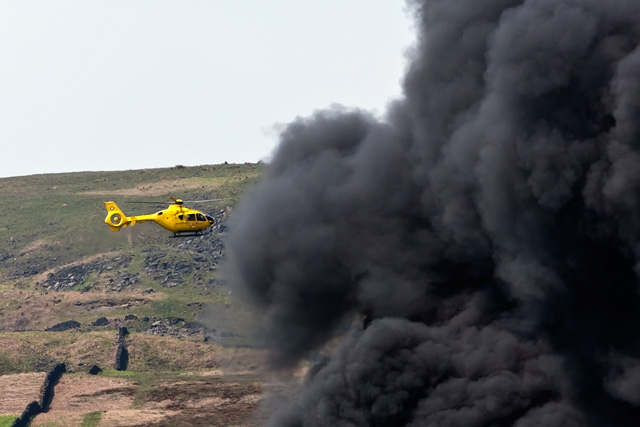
{"x":202,"y":221}
{"x":192,"y":220}
{"x":186,"y":222}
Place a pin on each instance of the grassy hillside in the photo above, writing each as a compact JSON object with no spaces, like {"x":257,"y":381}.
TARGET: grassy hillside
{"x":59,"y":262}
{"x":61,"y":214}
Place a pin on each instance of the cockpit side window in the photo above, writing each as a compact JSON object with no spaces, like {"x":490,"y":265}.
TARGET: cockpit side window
{"x":181,"y":217}
{"x":191,"y":217}
{"x":200,"y":217}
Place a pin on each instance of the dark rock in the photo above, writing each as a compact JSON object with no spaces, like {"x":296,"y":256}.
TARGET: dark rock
{"x":171,"y":327}
{"x":195,"y":304}
{"x":28,"y":414}
{"x":122,"y":357}
{"x":101,"y":321}
{"x":95,"y":370}
{"x":122,"y":354}
{"x":130,"y":317}
{"x":122,"y":332}
{"x":122,"y":281}
{"x":64,"y":326}
{"x":50,"y":382}
{"x":69,"y":277}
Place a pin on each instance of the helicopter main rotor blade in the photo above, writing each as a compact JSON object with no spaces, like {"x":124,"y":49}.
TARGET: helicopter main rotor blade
{"x":164,"y":202}
{"x":149,"y":202}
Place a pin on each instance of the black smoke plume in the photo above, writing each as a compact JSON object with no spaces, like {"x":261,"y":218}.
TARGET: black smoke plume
{"x":487,"y":229}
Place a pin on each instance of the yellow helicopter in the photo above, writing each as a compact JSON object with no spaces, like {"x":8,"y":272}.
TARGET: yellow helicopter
{"x":176,"y":218}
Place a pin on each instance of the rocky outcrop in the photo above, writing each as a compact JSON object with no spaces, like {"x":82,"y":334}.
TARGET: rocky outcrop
{"x":64,"y":326}
{"x":27,"y":415}
{"x":121,"y":282}
{"x":46,"y":397}
{"x":74,"y":276}
{"x":94,"y":370}
{"x":167,"y":270}
{"x":176,"y":327}
{"x":122,"y":354}
{"x":100,"y":321}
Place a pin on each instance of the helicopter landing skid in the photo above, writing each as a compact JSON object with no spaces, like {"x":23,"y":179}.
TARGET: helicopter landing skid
{"x":191,"y":233}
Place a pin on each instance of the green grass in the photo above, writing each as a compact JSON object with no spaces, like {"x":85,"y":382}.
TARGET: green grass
{"x":61,"y":222}
{"x":61,"y":216}
{"x":68,"y":208}
{"x":176,"y":304}
{"x":36,"y":350}
{"x":86,"y":284}
{"x":7,"y":420}
{"x":91,"y":419}
{"x":12,"y":366}
{"x":113,"y":373}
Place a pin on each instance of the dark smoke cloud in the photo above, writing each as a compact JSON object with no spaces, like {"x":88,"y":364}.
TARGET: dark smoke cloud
{"x":486,"y":230}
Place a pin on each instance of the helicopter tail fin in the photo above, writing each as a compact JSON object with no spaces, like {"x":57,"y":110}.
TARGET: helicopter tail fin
{"x":116,"y":219}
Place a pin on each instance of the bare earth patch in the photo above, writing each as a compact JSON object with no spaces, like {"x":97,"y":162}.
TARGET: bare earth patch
{"x":34,"y":245}
{"x":18,"y":390}
{"x":76,"y":395}
{"x":207,"y":400}
{"x":132,"y":417}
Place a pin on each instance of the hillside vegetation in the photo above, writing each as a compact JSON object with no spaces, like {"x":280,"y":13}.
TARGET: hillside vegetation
{"x":61,"y":215}
{"x":67,"y":283}
{"x":72,"y":291}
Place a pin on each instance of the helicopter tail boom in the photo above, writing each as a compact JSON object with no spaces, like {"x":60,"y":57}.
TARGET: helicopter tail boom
{"x":116,"y":219}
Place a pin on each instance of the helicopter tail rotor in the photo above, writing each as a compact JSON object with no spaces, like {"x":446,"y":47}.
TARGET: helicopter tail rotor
{"x":116,"y":219}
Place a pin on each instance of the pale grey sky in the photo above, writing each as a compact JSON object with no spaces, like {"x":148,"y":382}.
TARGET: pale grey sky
{"x":120,"y":84}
